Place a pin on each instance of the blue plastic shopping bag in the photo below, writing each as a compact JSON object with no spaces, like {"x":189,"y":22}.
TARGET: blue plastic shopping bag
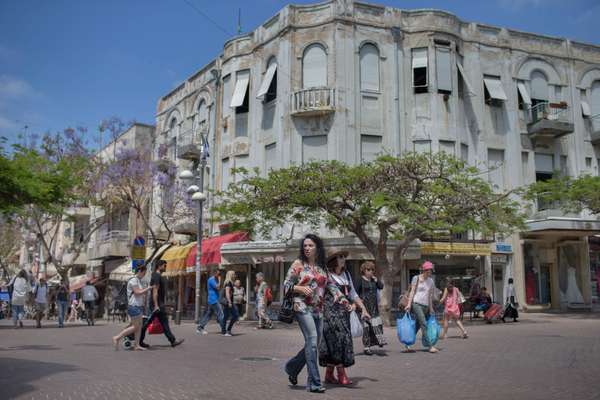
{"x":407,"y":330}
{"x":433,"y":331}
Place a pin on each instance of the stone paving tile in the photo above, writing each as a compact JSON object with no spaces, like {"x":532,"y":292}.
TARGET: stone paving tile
{"x":543,"y":357}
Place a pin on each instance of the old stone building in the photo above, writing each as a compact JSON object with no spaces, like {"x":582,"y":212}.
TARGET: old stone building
{"x":348,"y":80}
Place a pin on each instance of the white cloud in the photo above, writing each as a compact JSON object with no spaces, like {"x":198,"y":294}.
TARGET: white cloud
{"x":15,"y":88}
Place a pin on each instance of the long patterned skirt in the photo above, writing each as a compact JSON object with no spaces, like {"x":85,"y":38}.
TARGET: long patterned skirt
{"x":336,"y":347}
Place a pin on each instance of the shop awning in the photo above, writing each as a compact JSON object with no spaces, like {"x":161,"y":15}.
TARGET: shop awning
{"x":211,"y":249}
{"x":122,"y":273}
{"x":558,"y":226}
{"x":175,"y":257}
{"x":159,"y":253}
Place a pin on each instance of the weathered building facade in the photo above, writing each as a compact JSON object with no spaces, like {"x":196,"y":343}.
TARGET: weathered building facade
{"x":348,"y":80}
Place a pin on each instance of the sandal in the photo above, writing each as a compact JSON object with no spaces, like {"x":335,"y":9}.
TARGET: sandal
{"x":368,"y":352}
{"x":465,"y":336}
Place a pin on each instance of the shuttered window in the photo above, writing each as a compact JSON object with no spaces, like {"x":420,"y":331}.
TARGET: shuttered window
{"x":267,"y":82}
{"x":448,"y":147}
{"x":422,"y":146}
{"x":314,"y":67}
{"x":314,"y":148}
{"x":370,"y":147}
{"x":226,"y":95}
{"x":595,"y":105}
{"x":443,"y":70}
{"x":496,"y":168}
{"x":369,"y":67}
{"x":539,"y":86}
{"x":419,"y":70}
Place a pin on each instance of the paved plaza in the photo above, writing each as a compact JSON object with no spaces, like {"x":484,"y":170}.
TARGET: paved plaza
{"x":546,"y":356}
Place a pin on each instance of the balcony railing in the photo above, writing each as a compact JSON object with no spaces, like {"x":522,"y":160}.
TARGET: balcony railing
{"x":110,"y":244}
{"x":313,"y":101}
{"x":114,"y":235}
{"x":550,"y":120}
{"x":189,"y":143}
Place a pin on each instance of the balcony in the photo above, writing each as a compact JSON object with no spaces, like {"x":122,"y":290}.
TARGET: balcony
{"x":110,"y":244}
{"x":550,"y":120}
{"x":185,"y":226}
{"x":595,"y":125}
{"x":313,"y":102}
{"x":190,"y":142}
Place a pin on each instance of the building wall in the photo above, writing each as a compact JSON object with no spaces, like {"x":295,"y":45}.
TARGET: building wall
{"x":392,"y":117}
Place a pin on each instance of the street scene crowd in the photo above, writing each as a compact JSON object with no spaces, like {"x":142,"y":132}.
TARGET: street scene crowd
{"x":331,"y":309}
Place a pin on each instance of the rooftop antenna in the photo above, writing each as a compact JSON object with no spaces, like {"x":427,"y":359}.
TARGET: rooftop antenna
{"x":239,"y":24}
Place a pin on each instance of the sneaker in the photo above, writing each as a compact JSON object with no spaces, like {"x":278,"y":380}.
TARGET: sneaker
{"x":177,"y":342}
{"x":144,"y":345}
{"x":227,"y":334}
{"x":201,"y":331}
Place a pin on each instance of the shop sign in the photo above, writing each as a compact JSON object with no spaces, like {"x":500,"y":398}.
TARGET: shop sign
{"x":499,"y":258}
{"x":463,"y":249}
{"x":138,"y":253}
{"x":504,"y":248}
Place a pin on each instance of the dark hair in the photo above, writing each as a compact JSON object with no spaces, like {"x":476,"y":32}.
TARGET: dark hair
{"x":449,"y":283}
{"x":320,"y":258}
{"x":510,"y":280}
{"x":160,"y":263}
{"x":483,"y":288}
{"x":22,"y":274}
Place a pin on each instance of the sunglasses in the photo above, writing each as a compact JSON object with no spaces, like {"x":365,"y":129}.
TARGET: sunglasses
{"x":341,"y":256}
{"x":370,"y":269}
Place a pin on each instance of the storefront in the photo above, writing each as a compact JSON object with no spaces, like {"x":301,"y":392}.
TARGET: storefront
{"x":559,"y":264}
{"x":594,"y":245}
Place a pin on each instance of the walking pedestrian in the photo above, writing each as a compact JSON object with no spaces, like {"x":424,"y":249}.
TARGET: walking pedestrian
{"x":21,"y":288}
{"x":367,"y":287}
{"x":136,"y":294}
{"x":62,"y":302}
{"x":239,"y":297}
{"x":263,"y":301}
{"x":306,"y":282}
{"x":420,"y":300}
{"x":73,"y":311}
{"x":159,"y":285}
{"x":89,"y":295}
{"x":40,"y":291}
{"x":336,"y":349}
{"x":214,"y":307}
{"x":230,"y":312}
{"x":450,"y":300}
{"x":510,"y":305}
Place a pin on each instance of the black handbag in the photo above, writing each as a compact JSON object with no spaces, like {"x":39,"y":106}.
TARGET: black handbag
{"x":286,"y":311}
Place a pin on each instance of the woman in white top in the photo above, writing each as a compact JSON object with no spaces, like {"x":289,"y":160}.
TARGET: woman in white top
{"x":21,"y":288}
{"x":420,"y":299}
{"x":136,"y":294}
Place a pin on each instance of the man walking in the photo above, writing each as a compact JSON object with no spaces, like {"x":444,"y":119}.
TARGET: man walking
{"x":89,"y":296}
{"x":62,"y":302}
{"x":159,"y":285}
{"x":213,"y":303}
{"x":40,"y":292}
{"x":263,"y":301}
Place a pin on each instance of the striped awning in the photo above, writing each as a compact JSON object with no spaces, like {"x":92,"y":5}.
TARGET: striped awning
{"x":175,"y":258}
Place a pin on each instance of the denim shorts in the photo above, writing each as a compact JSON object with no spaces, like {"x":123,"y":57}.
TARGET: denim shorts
{"x":134,"y":311}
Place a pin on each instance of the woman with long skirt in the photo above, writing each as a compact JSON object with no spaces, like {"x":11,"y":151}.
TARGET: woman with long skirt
{"x":336,"y":349}
{"x":510,"y":307}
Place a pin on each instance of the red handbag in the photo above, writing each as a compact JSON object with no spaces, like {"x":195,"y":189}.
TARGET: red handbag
{"x":155,"y":327}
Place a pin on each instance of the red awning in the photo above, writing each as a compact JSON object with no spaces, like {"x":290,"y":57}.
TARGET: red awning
{"x":211,"y":248}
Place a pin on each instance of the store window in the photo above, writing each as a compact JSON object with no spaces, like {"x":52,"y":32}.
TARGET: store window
{"x":537,"y":276}
{"x":594,"y":243}
{"x":570,"y":280}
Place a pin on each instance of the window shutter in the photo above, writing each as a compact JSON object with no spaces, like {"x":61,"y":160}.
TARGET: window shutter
{"x":369,"y":67}
{"x":314,"y":67}
{"x":444,"y":72}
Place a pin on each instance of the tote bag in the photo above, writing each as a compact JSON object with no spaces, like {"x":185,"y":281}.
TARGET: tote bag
{"x":433,"y":331}
{"x":406,"y":329}
{"x":355,"y":325}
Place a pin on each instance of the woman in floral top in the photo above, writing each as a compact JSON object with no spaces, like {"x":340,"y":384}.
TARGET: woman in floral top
{"x":306,"y":282}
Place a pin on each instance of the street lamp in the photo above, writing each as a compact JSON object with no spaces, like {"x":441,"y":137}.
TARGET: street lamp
{"x":198,"y":195}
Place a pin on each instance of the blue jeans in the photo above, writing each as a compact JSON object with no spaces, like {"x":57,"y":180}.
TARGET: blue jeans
{"x":134,"y":311}
{"x":421,"y":313}
{"x":212,"y":309}
{"x":312,"y":329}
{"x":229,"y":313}
{"x":62,"y":310}
{"x":18,"y":312}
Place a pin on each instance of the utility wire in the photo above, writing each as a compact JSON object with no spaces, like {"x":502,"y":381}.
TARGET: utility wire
{"x":209,"y":18}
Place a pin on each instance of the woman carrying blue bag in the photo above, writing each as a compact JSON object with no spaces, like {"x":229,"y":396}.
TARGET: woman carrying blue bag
{"x":420,"y":302}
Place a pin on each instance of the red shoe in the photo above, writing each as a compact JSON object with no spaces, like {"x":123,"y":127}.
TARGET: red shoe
{"x":329,"y":377}
{"x":342,"y":377}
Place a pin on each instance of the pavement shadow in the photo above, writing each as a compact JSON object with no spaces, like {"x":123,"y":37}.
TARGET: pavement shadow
{"x":30,"y":347}
{"x":17,"y":374}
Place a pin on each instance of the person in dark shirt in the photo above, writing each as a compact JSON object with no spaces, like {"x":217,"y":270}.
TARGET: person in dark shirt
{"x":159,"y":284}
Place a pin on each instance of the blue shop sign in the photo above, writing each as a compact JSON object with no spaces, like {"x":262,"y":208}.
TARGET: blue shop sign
{"x":504,"y":247}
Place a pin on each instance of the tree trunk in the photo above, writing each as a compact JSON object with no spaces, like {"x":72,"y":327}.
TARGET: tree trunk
{"x":385,"y":299}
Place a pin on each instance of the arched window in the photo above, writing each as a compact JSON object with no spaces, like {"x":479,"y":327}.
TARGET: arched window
{"x":172,"y":139}
{"x":314,"y":67}
{"x":202,"y":118}
{"x":539,"y":87}
{"x":369,"y":67}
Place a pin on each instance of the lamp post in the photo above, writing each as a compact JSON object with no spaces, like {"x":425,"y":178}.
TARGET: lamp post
{"x":196,"y":191}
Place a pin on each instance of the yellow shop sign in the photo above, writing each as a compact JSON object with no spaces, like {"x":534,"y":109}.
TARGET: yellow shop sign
{"x":464,"y":249}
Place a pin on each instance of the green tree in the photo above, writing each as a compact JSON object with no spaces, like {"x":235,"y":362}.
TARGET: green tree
{"x":54,"y":176}
{"x":417,"y":196}
{"x":570,"y":194}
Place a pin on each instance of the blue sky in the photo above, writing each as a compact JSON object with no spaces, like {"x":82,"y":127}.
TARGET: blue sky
{"x":75,"y":62}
